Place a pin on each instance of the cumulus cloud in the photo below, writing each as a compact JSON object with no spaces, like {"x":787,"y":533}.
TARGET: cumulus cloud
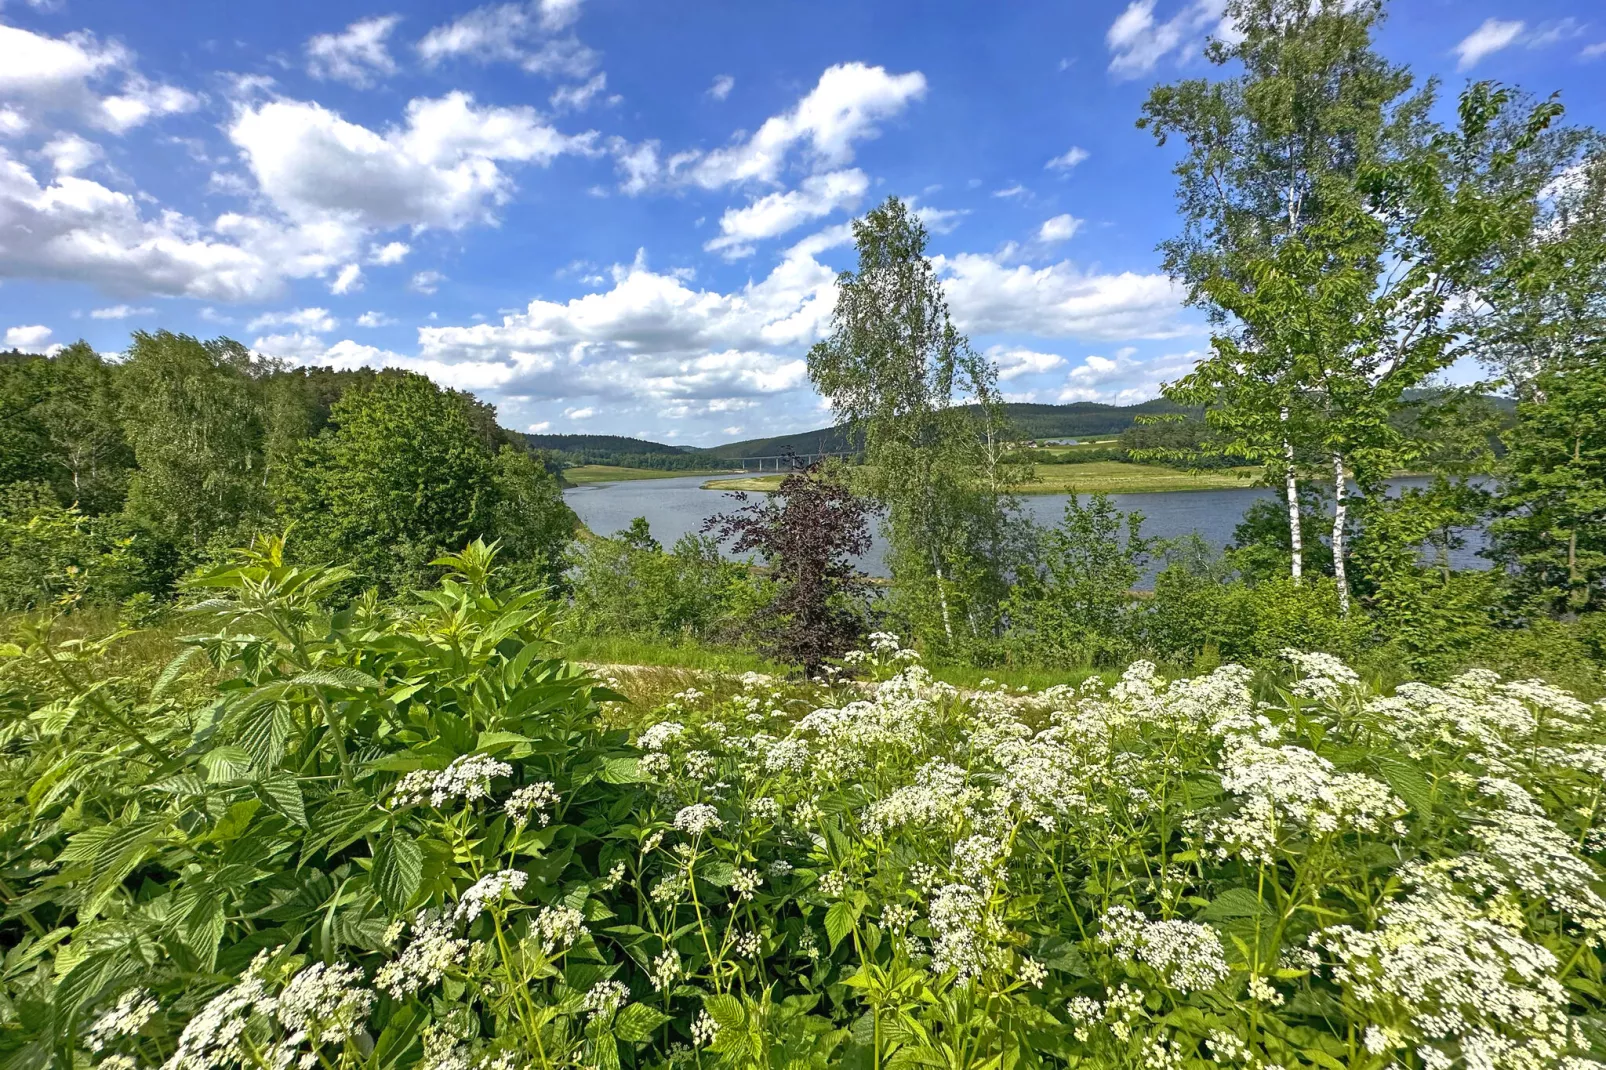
{"x":723,"y":84}
{"x":1123,"y":379}
{"x":120,"y":312}
{"x":374,"y":319}
{"x":426,"y":282}
{"x":41,"y":74}
{"x":1137,"y":40}
{"x":847,"y":105}
{"x":777,"y":213}
{"x":69,"y":154}
{"x":306,"y":319}
{"x":389,"y":253}
{"x":1059,"y":228}
{"x":358,"y":56}
{"x":987,"y":295}
{"x":579,"y":97}
{"x":27,"y":338}
{"x":1068,"y":159}
{"x":440,"y":169}
{"x":347,"y":280}
{"x":513,"y":33}
{"x":1013,"y":362}
{"x":74,"y":229}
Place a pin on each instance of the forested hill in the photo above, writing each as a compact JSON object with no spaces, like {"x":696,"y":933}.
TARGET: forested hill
{"x":1028,"y":421}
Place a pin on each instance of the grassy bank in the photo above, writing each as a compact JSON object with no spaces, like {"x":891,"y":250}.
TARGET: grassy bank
{"x":607,"y":473}
{"x":1111,"y":477}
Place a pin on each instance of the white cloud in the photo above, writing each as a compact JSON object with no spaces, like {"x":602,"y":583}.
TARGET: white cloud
{"x":120,"y":312}
{"x":357,"y":56}
{"x":513,"y":33}
{"x":940,"y":220}
{"x":77,"y":230}
{"x":426,"y":282}
{"x":374,"y":319}
{"x":390,"y":253}
{"x":1069,"y":159}
{"x":347,"y":280}
{"x":580,"y":414}
{"x":41,"y":74}
{"x":1594,"y":51}
{"x":68,"y":153}
{"x":1017,"y":190}
{"x":777,"y":213}
{"x":723,"y":84}
{"x":12,"y":122}
{"x":1496,"y":35}
{"x":1014,"y":362}
{"x":1058,"y":301}
{"x":1486,"y":40}
{"x":537,"y":428}
{"x":1123,"y":379}
{"x":578,"y":97}
{"x":847,"y":105}
{"x":440,"y":169}
{"x":299,"y":346}
{"x":1058,"y":229}
{"x":1137,"y":41}
{"x":305,"y":319}
{"x":27,"y":337}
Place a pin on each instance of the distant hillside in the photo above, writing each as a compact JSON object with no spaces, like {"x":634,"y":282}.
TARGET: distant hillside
{"x":1028,"y":421}
{"x":598,"y":443}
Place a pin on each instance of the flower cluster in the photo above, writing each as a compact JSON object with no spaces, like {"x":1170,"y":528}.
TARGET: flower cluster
{"x":468,"y":777}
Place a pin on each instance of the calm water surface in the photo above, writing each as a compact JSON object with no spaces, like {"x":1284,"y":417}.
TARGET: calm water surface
{"x":678,"y":505}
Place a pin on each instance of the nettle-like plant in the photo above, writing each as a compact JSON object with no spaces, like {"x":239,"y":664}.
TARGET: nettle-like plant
{"x":423,"y":776}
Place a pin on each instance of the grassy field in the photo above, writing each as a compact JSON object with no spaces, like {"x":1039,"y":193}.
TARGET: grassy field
{"x":1111,"y":477}
{"x":607,"y":473}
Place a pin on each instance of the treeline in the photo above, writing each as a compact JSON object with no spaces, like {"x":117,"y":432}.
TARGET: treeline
{"x":116,"y":478}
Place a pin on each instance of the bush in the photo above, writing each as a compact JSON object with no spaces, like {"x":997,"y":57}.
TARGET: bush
{"x":55,"y":556}
{"x":628,"y":585}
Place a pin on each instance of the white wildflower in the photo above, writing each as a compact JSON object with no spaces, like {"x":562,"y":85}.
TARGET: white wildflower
{"x":125,"y":1018}
{"x":532,"y":800}
{"x":697,"y":819}
{"x":432,"y":951}
{"x":328,"y":1004}
{"x":489,"y":890}
{"x":468,"y":777}
{"x":558,"y":927}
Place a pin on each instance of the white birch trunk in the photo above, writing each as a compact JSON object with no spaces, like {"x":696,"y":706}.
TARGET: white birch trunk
{"x":1340,"y":506}
{"x":1296,"y":540}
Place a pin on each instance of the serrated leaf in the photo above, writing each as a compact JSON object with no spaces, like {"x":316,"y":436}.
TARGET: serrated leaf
{"x":636,"y":1022}
{"x":1233,"y":903}
{"x":622,"y":771}
{"x":1408,"y":783}
{"x":839,"y":921}
{"x":173,"y":670}
{"x":726,"y":1010}
{"x":282,"y":793}
{"x":398,"y":869}
{"x":341,"y":676}
{"x":224,"y":764}
{"x":264,"y":730}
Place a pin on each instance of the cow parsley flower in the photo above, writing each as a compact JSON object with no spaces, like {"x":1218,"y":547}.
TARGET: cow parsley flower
{"x":126,"y":1017}
{"x":559,"y":927}
{"x":533,"y":800}
{"x":659,"y":735}
{"x":605,"y":997}
{"x":468,"y":777}
{"x":432,"y":951}
{"x":488,"y":890}
{"x":697,"y":819}
{"x":1187,"y":956}
{"x":327,"y":1004}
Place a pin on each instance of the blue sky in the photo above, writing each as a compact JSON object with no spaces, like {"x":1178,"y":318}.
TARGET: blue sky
{"x":615,"y":216}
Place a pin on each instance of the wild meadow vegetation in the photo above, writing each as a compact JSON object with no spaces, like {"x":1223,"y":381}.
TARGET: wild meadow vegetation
{"x":327,"y":740}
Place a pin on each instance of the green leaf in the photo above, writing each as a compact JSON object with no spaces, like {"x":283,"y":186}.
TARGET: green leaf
{"x":839,"y":921}
{"x":1408,"y":783}
{"x":282,"y":793}
{"x":1233,"y":903}
{"x":264,"y":731}
{"x":224,"y":764}
{"x":398,"y":869}
{"x":341,"y":676}
{"x":622,"y":771}
{"x":636,"y":1023}
{"x":173,"y":671}
{"x":726,"y":1010}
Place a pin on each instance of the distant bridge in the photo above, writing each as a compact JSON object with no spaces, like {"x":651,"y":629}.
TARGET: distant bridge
{"x":783,"y":462}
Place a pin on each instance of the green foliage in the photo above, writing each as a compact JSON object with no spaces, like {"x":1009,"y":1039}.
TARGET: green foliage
{"x":192,"y":416}
{"x":51,"y":556}
{"x":401,"y":474}
{"x":1074,"y":604}
{"x":59,"y":424}
{"x":628,"y":585}
{"x":533,"y":524}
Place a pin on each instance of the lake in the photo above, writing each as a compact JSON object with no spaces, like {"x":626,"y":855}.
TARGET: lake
{"x":678,"y":505}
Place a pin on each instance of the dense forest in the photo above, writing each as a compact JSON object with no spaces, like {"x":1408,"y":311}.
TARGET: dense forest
{"x":327,"y":741}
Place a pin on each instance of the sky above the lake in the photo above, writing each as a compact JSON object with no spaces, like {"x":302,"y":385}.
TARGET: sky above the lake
{"x":626,"y":217}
